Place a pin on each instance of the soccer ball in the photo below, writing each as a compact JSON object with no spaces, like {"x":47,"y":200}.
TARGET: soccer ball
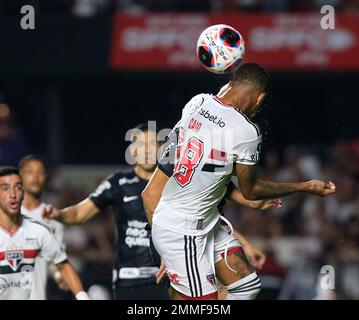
{"x":219,"y":48}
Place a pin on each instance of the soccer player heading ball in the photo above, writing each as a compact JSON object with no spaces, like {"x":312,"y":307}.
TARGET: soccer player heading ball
{"x":216,"y":139}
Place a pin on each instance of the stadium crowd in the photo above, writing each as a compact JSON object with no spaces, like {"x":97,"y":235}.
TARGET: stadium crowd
{"x":308,"y":233}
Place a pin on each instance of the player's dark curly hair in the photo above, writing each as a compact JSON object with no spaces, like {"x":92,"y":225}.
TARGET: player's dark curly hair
{"x":9,"y":171}
{"x":253,"y":74}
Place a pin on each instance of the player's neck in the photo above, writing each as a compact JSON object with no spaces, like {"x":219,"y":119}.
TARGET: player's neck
{"x":9,"y":222}
{"x":31,"y":202}
{"x":237,"y":104}
{"x":227,"y":98}
{"x":244,"y":109}
{"x":239,"y":97}
{"x":232,"y":99}
{"x":143,"y":174}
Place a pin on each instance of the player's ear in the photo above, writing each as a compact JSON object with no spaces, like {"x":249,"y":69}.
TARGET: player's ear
{"x":260,"y":98}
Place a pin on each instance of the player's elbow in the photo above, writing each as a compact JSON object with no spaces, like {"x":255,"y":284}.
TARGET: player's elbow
{"x":250,"y":193}
{"x":251,"y":196}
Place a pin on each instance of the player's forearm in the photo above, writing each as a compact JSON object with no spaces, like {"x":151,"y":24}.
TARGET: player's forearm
{"x":79,"y":213}
{"x":69,"y":215}
{"x":150,"y":202}
{"x":263,"y":189}
{"x":237,"y":196}
{"x":57,"y":276}
{"x":254,"y":187}
{"x":152,"y":194}
{"x":71,"y":277}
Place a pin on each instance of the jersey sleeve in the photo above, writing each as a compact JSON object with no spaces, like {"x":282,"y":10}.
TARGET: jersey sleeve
{"x":105,"y":193}
{"x":248,"y":148}
{"x":59,"y":234}
{"x":192,"y":105}
{"x":167,"y":158}
{"x":51,"y":249}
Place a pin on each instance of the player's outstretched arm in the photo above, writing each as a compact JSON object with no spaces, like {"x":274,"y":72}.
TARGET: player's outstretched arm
{"x":153,"y":191}
{"x":71,"y":278}
{"x":77,"y":214}
{"x":237,"y":196}
{"x":254,"y":187}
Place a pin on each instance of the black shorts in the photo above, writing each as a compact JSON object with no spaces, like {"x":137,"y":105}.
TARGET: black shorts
{"x":141,"y":292}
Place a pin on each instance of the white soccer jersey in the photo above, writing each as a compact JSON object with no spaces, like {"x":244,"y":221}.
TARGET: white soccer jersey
{"x":18,"y":251}
{"x":212,"y":138}
{"x":41,"y":271}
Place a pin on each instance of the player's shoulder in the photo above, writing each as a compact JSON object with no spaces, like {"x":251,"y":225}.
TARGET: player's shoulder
{"x":249,"y":128}
{"x":199,"y":97}
{"x":194,"y":103}
{"x":125,"y":172}
{"x":113,"y":182}
{"x":35,"y":224}
{"x":236,"y":120}
{"x":124,"y":176}
{"x":37,"y":215}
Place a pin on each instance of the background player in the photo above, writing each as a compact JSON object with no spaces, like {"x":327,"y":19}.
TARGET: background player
{"x":22,"y":239}
{"x":185,"y":225}
{"x":134,"y":270}
{"x":33,"y":171}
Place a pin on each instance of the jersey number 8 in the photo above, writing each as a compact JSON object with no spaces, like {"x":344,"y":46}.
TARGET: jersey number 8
{"x":189,"y":161}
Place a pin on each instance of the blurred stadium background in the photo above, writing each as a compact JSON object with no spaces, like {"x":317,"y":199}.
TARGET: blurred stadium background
{"x":92,"y":69}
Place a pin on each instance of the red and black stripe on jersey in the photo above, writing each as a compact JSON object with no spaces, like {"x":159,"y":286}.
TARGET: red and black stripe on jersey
{"x":10,"y":267}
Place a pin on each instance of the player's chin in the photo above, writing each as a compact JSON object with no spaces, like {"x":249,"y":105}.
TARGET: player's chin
{"x":148,"y":166}
{"x":35,"y":191}
{"x":13,"y":211}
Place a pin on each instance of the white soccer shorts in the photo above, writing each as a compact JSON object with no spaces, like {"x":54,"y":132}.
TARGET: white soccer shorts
{"x":190,"y":260}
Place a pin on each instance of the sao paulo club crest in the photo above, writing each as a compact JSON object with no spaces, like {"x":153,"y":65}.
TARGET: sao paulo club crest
{"x":14,"y":258}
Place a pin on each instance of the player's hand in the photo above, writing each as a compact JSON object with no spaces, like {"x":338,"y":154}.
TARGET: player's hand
{"x":61,"y":283}
{"x":320,"y":188}
{"x":50,"y":212}
{"x":266,"y":204}
{"x":161,"y":273}
{"x":255,"y":256}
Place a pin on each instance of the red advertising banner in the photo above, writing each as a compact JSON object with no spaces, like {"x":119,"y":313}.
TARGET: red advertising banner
{"x":278,"y":41}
